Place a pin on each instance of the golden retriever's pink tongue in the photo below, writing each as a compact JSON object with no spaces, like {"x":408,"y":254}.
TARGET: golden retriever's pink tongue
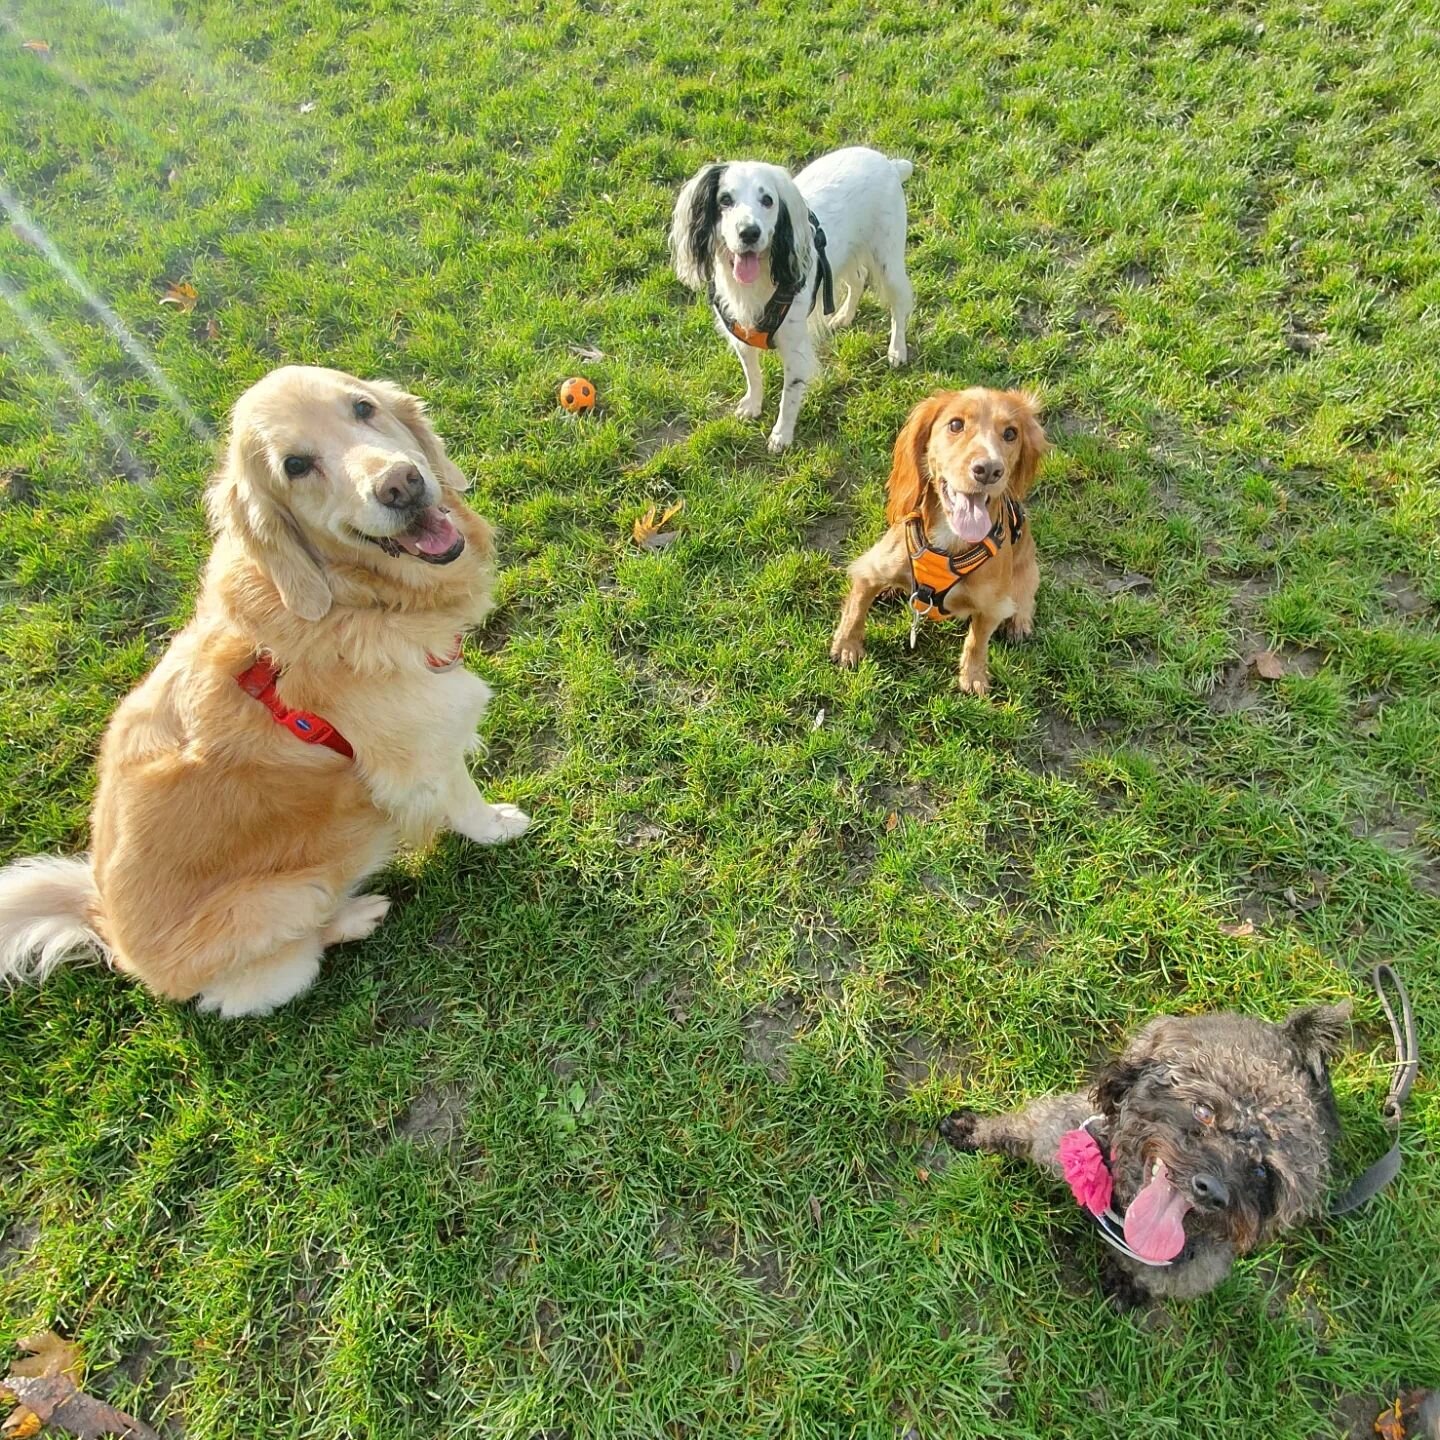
{"x":747,"y":269}
{"x":968,"y":517}
{"x":432,"y":534}
{"x":1155,"y":1221}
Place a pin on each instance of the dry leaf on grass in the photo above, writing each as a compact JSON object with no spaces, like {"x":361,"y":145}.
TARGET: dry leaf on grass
{"x":307,"y":107}
{"x":587,"y":352}
{"x":37,"y":47}
{"x":1240,"y":930}
{"x":56,"y":1403}
{"x":1388,"y":1423}
{"x":182,"y":296}
{"x":815,"y":1210}
{"x":891,"y":821}
{"x":212,"y":329}
{"x":1267,"y":664}
{"x":651,"y":534}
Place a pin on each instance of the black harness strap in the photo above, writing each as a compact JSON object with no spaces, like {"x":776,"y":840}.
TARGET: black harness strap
{"x":1407,"y":1066}
{"x":772,"y":317}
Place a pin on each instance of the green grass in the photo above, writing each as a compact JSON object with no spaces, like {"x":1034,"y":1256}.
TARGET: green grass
{"x":626,"y":1130}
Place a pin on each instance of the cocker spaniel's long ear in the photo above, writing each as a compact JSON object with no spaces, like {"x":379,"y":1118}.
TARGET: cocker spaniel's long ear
{"x":409,"y":410}
{"x":792,"y":249}
{"x":692,"y":227}
{"x":907,"y":472}
{"x":241,"y":504}
{"x":1033,"y":443}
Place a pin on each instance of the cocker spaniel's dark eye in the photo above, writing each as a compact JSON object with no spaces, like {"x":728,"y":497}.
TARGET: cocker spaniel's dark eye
{"x":1010,"y":432}
{"x":364,"y":409}
{"x":726,"y":201}
{"x":298,"y":465}
{"x":1260,"y":1172}
{"x":1204,"y":1114}
{"x":767,"y":201}
{"x":956,"y":425}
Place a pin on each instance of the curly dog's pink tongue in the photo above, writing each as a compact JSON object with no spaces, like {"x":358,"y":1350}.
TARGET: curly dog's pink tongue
{"x":1155,"y":1221}
{"x":747,"y":269}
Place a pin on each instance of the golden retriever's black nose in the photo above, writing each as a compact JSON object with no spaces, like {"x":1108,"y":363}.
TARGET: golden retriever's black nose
{"x":400,"y":488}
{"x":749,"y":234}
{"x":988,"y":472}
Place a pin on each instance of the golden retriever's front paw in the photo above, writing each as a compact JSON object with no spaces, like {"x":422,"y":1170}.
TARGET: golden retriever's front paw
{"x":495,"y":824}
{"x":847,"y":650}
{"x":1016,"y":629}
{"x":356,"y":918}
{"x":975,"y":682}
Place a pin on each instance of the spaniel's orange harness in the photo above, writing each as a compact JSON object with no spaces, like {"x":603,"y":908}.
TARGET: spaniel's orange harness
{"x":935,"y":573}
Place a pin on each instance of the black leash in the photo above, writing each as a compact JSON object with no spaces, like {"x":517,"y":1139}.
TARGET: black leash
{"x":822,"y":262}
{"x":1407,"y":1066}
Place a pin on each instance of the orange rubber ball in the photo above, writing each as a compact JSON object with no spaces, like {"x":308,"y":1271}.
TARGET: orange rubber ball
{"x":577,"y":395}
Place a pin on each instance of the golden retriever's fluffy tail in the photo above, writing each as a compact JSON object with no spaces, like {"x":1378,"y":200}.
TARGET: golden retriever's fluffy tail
{"x":48,"y":913}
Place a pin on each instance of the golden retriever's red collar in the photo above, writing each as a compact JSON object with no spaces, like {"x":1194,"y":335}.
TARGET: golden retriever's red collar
{"x":935,"y":573}
{"x":259,"y":682}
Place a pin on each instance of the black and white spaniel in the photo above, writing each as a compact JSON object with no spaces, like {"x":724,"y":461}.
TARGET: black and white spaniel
{"x":771,"y":251}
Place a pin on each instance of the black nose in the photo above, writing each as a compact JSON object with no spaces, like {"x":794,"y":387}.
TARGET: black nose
{"x":400,"y":489}
{"x":749,"y":234}
{"x":988,"y":472}
{"x":1210,"y":1191}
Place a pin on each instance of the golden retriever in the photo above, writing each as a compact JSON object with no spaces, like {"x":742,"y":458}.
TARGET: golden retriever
{"x":225,"y":849}
{"x":958,"y":540}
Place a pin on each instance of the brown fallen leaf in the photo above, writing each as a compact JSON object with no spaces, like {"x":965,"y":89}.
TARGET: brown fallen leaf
{"x":212,"y":329}
{"x":49,"y":1355}
{"x":1389,"y":1424}
{"x":651,"y":534}
{"x":1240,"y":930}
{"x":922,"y":1174}
{"x":891,"y":821}
{"x":1267,"y":664}
{"x":37,"y":47}
{"x":587,"y":352}
{"x":182,"y":296}
{"x":815,"y":1210}
{"x":59,"y":1405}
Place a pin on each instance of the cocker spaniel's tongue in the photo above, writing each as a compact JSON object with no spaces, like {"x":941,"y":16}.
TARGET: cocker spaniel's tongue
{"x":1155,"y":1221}
{"x":968,"y":516}
{"x":432,"y":534}
{"x":747,"y":268}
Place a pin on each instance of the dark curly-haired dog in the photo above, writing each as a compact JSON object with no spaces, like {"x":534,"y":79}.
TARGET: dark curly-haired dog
{"x":1217,"y":1132}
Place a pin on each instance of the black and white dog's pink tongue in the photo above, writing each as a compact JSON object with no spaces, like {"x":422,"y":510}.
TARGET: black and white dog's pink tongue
{"x":747,"y":269}
{"x":1155,"y":1221}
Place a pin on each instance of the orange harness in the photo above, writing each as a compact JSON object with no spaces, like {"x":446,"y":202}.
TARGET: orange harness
{"x":935,"y":573}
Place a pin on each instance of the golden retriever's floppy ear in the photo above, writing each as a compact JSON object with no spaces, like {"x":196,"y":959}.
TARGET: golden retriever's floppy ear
{"x":1033,"y":443}
{"x":907,"y":473}
{"x":409,"y":410}
{"x":240,"y":505}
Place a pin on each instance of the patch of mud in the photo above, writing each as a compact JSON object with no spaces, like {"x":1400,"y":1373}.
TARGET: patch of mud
{"x":915,"y":1060}
{"x":436,"y":1117}
{"x":1404,"y":837}
{"x":762,"y":1267}
{"x":769,"y":1034}
{"x":830,"y":535}
{"x":16,"y":1244}
{"x":672,"y":432}
{"x":1400,"y":594}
